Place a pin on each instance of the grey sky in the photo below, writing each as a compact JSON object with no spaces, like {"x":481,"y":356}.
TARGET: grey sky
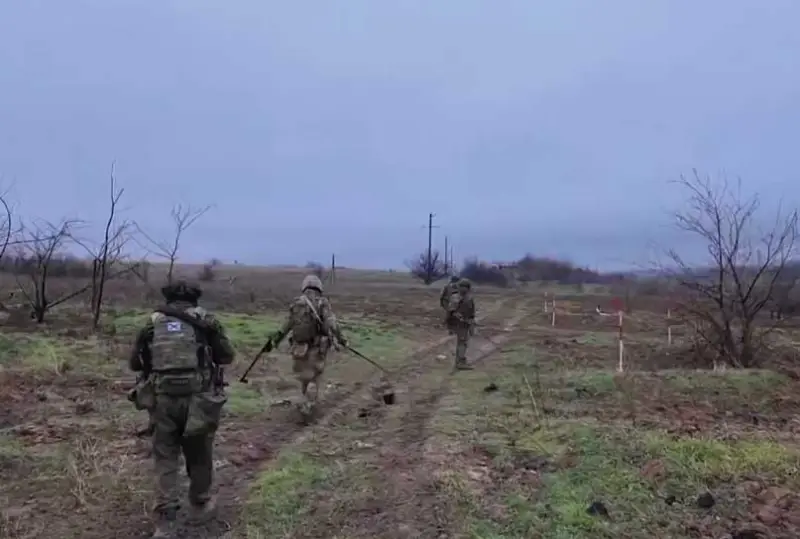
{"x":549,"y":127}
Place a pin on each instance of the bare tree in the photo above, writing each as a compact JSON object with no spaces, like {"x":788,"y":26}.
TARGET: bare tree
{"x":786,"y":295}
{"x":723,"y":301}
{"x":427,"y":267}
{"x":183,"y":217}
{"x":41,"y":242}
{"x":109,"y":252}
{"x":7,"y":229}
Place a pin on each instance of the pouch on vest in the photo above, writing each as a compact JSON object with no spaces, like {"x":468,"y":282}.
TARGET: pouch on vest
{"x":178,"y":384}
{"x":143,"y":395}
{"x":205,"y":410}
{"x":305,"y":327}
{"x":299,"y":350}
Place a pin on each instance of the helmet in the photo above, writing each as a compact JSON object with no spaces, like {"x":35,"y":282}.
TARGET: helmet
{"x":181,"y":291}
{"x":454,"y":278}
{"x":465,"y":284}
{"x":312,"y":281}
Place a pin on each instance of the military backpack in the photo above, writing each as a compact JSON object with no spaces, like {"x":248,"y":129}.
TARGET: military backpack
{"x":305,"y":319}
{"x":177,"y":354}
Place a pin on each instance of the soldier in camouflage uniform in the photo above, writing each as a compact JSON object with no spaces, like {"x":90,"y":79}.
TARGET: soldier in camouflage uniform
{"x":449,"y":289}
{"x":461,"y":320}
{"x":181,"y":350}
{"x":313,"y":327}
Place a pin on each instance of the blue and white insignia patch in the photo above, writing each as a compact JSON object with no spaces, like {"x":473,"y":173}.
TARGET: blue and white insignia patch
{"x":173,"y":326}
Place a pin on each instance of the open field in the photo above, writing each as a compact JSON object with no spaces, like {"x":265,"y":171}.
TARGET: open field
{"x":543,"y":439}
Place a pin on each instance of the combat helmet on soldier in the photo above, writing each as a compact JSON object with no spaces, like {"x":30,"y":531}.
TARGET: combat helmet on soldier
{"x":181,"y":291}
{"x":465,"y":285}
{"x":312,"y":282}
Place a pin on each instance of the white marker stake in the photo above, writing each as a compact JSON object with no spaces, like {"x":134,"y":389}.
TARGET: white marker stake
{"x":669,"y":329}
{"x":553,"y":318}
{"x":620,"y":366}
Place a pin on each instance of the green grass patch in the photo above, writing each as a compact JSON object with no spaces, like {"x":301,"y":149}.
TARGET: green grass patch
{"x":592,"y":382}
{"x":40,"y":353}
{"x":244,"y":401}
{"x":21,"y":463}
{"x":595,"y":338}
{"x":696,"y":463}
{"x":249,"y":331}
{"x":607,"y":465}
{"x":10,"y":449}
{"x":744,"y":382}
{"x":597,"y":462}
{"x":278,"y":501}
{"x":376,"y":341}
{"x":128,"y":321}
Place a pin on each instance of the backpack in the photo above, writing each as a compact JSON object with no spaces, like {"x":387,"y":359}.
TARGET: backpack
{"x":305,"y":324}
{"x":176,"y":345}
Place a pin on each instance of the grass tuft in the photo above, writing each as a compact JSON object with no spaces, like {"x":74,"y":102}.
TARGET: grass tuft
{"x":277,"y":502}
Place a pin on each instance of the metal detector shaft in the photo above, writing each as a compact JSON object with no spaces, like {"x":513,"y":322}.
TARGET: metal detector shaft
{"x":368,"y":360}
{"x":266,"y":348}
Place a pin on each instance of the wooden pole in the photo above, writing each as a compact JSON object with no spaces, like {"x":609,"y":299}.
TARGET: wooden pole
{"x":620,"y":365}
{"x":669,"y":328}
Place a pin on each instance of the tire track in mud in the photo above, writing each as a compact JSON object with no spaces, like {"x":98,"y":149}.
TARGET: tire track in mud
{"x":245,"y":448}
{"x":406,"y":496}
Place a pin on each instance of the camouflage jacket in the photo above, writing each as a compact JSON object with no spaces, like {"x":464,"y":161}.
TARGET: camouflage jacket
{"x":461,"y":309}
{"x":330,"y":325}
{"x":447,"y":292}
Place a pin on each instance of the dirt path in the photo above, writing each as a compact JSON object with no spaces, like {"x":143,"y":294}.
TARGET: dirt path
{"x":245,"y":447}
{"x":404,"y":504}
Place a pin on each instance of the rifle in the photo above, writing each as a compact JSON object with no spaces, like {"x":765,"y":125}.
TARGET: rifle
{"x":264,"y":349}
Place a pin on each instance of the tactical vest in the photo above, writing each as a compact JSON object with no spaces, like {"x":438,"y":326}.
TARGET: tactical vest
{"x":305,"y":325}
{"x":176,"y":345}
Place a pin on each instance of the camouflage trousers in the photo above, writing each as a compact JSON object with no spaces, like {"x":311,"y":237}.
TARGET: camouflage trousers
{"x":308,"y":365}
{"x":169,"y":418}
{"x":462,"y":342}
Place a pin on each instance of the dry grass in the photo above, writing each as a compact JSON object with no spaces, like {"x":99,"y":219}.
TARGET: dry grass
{"x":519,"y":447}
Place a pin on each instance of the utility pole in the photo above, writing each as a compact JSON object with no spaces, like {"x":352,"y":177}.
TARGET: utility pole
{"x":429,"y":262}
{"x":446,"y":255}
{"x":430,"y":244}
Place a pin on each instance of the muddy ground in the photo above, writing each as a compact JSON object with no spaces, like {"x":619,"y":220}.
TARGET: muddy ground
{"x":545,"y":438}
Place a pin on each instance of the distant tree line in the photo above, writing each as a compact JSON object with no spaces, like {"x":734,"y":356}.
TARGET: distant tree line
{"x":529,"y":268}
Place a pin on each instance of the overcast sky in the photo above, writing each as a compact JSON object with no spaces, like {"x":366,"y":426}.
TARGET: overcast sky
{"x":319,"y":127}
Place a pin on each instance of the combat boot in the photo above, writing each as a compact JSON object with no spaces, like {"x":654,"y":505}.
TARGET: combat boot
{"x":203,"y":512}
{"x":164,"y":529}
{"x":304,"y":411}
{"x":462,"y":365}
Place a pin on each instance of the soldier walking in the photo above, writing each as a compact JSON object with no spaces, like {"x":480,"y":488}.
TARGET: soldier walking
{"x":181,"y":351}
{"x":461,"y":321}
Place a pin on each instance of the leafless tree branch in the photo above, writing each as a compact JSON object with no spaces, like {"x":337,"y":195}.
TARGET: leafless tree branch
{"x":43,"y":241}
{"x":183,"y":217}
{"x":109,"y":252}
{"x":725,"y":299}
